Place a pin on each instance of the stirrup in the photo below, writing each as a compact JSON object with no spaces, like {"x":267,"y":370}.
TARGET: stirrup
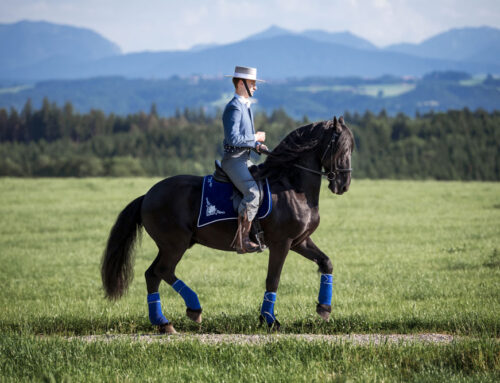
{"x":259,"y":235}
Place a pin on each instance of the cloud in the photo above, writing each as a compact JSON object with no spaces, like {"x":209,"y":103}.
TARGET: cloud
{"x":381,"y":4}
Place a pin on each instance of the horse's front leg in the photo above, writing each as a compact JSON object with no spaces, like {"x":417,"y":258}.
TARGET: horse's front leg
{"x":308,"y":249}
{"x":277,"y":256}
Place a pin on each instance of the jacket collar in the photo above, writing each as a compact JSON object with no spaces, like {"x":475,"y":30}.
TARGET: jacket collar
{"x":243,"y":100}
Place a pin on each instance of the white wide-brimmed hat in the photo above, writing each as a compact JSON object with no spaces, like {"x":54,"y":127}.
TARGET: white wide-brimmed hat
{"x":244,"y":72}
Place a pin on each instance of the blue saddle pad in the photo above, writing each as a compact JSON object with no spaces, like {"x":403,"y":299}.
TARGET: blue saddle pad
{"x":217,"y":203}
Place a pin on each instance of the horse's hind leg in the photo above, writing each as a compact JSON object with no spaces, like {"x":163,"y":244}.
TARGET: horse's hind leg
{"x":156,"y":316}
{"x":152,"y":280}
{"x":164,"y":268}
{"x":309,"y":250}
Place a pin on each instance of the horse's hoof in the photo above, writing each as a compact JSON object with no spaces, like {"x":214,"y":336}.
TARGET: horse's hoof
{"x":324,"y":311}
{"x":275,"y":326}
{"x":166,"y":328}
{"x":271,"y":327}
{"x":194,"y":315}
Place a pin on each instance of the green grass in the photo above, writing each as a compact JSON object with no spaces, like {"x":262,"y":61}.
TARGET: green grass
{"x":474,"y":80}
{"x":408,"y":257}
{"x":55,"y":359}
{"x":385,"y":90}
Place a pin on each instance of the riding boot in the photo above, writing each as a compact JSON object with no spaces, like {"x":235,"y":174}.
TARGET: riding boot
{"x":241,"y":241}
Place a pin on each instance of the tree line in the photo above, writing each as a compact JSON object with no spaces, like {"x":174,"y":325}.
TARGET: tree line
{"x":59,"y":141}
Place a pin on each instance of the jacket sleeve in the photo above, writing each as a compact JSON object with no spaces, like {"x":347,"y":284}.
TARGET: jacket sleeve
{"x":232,"y":130}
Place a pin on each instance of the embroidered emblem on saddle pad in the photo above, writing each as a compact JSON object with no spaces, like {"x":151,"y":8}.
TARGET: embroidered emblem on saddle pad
{"x":217,"y":202}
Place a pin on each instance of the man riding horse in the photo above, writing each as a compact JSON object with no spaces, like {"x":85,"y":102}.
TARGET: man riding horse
{"x":240,"y":139}
{"x":170,"y":209}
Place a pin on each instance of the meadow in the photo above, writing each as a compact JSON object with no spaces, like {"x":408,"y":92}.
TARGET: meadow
{"x":408,"y":256}
{"x":373,"y":90}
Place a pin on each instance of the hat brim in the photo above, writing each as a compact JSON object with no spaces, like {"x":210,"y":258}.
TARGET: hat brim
{"x":257,"y":80}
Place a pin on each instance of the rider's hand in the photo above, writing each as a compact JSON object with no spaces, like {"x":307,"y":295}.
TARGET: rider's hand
{"x":260,"y":136}
{"x":261,"y":147}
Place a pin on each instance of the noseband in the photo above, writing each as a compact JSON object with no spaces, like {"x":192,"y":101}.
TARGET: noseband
{"x":332,"y":174}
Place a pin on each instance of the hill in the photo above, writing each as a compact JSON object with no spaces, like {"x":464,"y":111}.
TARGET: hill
{"x":27,"y":44}
{"x":315,"y":97}
{"x":342,"y":38}
{"x":279,"y":54}
{"x":464,"y":44}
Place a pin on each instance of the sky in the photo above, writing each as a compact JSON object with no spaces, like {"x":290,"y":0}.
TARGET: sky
{"x":179,"y":24}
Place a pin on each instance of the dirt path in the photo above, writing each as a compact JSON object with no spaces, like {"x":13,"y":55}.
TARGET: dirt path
{"x":358,"y":339}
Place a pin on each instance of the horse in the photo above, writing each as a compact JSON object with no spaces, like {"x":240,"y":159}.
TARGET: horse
{"x":169,"y":210}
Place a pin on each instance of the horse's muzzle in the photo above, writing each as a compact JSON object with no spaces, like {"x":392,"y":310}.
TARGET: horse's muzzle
{"x":339,"y":190}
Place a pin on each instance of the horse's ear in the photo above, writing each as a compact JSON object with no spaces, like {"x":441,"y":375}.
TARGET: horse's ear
{"x":341,"y":120}
{"x":336,"y":125}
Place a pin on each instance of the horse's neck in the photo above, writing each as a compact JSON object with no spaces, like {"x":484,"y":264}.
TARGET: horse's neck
{"x":308,"y":183}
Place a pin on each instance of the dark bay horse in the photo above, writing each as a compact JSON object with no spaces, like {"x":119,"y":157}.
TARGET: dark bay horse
{"x":169,"y":212}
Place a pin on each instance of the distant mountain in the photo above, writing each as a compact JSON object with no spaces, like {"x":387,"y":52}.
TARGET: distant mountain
{"x":342,"y":38}
{"x":277,"y":58}
{"x":272,"y":31}
{"x":74,"y":53}
{"x":465,"y":44}
{"x":201,"y":47}
{"x":29,"y":43}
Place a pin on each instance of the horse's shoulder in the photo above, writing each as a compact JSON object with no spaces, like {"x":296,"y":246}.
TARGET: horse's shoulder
{"x":293,"y":206}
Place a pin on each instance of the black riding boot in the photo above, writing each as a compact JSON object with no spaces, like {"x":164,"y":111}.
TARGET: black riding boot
{"x":241,"y":241}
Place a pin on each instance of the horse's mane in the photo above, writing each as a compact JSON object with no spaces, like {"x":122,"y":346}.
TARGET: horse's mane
{"x":294,"y":145}
{"x":305,"y":139}
{"x":344,"y":144}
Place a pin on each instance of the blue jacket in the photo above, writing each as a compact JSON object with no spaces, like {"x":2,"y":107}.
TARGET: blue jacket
{"x":238,"y":125}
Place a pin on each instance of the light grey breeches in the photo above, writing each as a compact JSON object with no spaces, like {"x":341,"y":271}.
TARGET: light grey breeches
{"x":236,"y":167}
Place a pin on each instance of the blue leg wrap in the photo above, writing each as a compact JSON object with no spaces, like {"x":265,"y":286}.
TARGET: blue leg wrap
{"x":156,"y":317}
{"x":267,"y":310}
{"x":325,"y":289}
{"x":187,"y":294}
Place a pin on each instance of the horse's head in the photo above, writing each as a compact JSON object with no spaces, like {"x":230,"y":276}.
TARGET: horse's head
{"x":336,"y":157}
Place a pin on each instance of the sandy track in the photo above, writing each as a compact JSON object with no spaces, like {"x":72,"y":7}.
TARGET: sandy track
{"x":357,"y":339}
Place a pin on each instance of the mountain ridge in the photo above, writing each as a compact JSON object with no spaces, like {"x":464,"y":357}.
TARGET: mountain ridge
{"x":31,"y":42}
{"x":455,"y":44}
{"x":279,"y":53}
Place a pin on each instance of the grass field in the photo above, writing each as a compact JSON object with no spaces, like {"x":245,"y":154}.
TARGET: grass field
{"x":408,"y":257}
{"x":375,"y":90}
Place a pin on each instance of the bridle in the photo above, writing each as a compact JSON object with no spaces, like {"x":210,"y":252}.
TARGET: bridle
{"x":334,"y":171}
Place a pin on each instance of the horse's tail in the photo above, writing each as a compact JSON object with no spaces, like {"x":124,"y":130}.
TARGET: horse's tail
{"x":116,"y":264}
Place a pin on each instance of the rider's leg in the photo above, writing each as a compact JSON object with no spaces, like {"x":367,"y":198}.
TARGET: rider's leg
{"x":236,"y":167}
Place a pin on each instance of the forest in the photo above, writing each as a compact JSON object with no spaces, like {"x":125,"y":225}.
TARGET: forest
{"x":57,"y":141}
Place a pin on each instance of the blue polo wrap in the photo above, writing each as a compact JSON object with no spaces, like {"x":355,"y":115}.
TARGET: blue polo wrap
{"x":326,"y":289}
{"x":267,"y":310}
{"x":156,"y":317}
{"x":187,"y":294}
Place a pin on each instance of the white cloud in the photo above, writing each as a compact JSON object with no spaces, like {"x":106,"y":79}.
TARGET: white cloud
{"x":384,"y":4}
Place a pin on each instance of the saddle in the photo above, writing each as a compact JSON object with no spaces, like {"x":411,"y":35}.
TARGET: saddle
{"x":256,"y":232}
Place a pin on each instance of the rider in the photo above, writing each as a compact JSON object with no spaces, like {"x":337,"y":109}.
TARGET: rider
{"x":239,"y":139}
